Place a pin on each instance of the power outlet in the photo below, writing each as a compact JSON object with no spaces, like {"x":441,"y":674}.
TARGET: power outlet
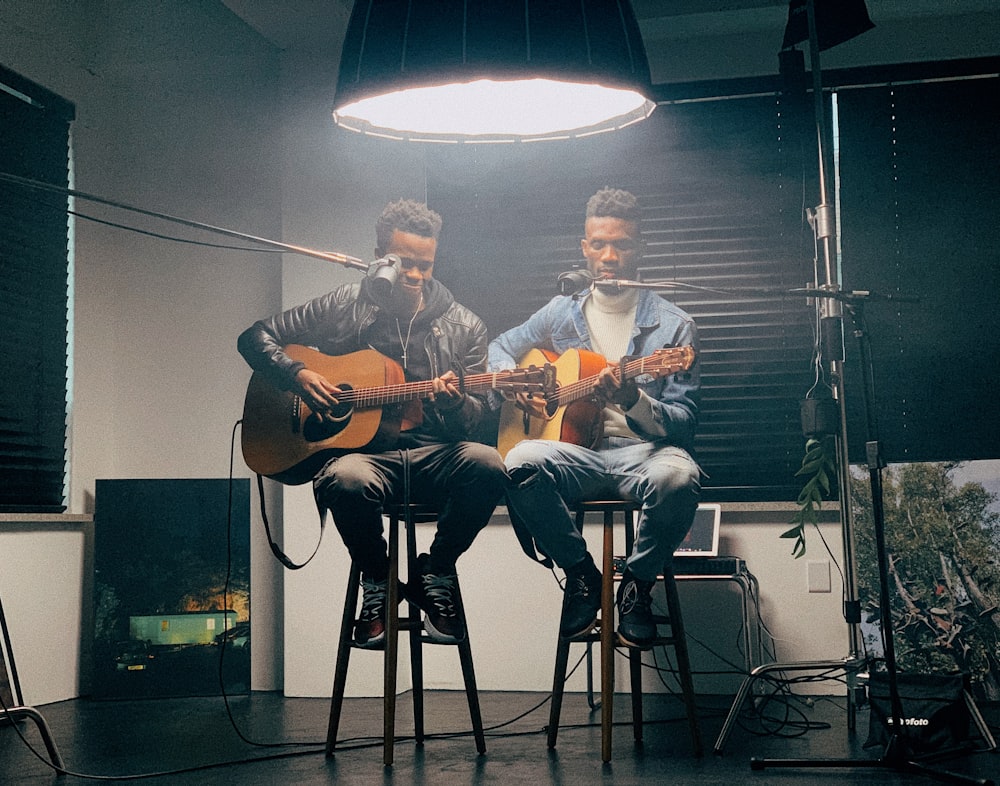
{"x":818,"y":576}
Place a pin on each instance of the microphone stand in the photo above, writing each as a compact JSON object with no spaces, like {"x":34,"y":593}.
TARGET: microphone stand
{"x":329,"y":256}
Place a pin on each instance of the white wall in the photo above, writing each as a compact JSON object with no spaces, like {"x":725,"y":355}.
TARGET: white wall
{"x":176,"y":113}
{"x":183,"y":109}
{"x":513,"y":608}
{"x":42,"y":581}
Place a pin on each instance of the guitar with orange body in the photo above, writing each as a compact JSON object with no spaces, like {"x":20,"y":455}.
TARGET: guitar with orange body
{"x":573,"y":413}
{"x":285,"y":440}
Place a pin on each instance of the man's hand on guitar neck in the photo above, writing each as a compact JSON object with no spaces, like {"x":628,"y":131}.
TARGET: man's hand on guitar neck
{"x":445,"y":393}
{"x":319,"y":394}
{"x":610,"y":389}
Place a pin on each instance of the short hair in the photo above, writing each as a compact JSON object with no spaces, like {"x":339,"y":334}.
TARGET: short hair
{"x":406,"y":215}
{"x":614,"y":203}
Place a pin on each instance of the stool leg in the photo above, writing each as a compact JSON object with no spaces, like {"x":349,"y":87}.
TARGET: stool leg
{"x":391,"y":646}
{"x":343,"y":658}
{"x":607,"y":637}
{"x":469,"y":675}
{"x":635,"y":683}
{"x":682,"y":657}
{"x":416,"y":645}
{"x":558,"y":685}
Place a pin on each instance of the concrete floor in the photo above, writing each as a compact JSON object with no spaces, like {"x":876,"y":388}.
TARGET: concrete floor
{"x":270,"y":739}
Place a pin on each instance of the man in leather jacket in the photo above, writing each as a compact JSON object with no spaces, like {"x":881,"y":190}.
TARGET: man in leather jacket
{"x":418,"y":324}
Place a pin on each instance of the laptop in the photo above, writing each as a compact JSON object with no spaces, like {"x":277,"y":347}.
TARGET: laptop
{"x":703,"y":538}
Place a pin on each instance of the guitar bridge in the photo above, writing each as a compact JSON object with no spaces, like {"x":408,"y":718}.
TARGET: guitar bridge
{"x":295,"y":422}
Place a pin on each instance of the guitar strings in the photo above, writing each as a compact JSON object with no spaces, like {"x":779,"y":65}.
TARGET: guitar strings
{"x":515,"y":379}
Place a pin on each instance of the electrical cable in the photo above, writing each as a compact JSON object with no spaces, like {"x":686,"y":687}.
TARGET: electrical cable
{"x":228,"y":579}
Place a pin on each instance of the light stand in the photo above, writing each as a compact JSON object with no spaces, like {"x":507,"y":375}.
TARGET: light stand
{"x":830,"y":315}
{"x":895,"y":754}
{"x":15,"y":710}
{"x":831,"y":302}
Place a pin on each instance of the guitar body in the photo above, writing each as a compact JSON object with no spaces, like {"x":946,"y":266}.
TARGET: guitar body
{"x":578,"y":422}
{"x":284,"y":440}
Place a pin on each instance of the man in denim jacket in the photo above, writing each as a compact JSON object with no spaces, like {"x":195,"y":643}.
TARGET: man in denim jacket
{"x":648,"y":425}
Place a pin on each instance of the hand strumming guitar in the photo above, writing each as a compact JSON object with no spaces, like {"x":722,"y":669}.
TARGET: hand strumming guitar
{"x":321,"y":396}
{"x":319,"y":393}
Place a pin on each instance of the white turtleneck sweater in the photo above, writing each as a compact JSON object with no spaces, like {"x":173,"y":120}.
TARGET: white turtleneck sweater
{"x":610,"y":320}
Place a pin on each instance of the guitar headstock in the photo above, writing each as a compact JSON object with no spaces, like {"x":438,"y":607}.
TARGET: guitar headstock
{"x":527,"y":380}
{"x":662,"y":362}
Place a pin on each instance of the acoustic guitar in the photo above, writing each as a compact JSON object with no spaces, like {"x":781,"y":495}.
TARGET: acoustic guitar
{"x":285,"y":440}
{"x":573,"y":414}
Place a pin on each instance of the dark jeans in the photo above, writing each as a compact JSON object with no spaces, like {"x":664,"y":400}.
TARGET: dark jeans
{"x":464,"y":480}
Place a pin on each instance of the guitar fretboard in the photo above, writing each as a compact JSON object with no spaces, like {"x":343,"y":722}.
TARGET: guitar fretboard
{"x":664,"y":361}
{"x":409,"y":391}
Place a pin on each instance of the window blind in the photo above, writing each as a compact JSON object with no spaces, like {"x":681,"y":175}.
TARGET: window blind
{"x":33,"y":298}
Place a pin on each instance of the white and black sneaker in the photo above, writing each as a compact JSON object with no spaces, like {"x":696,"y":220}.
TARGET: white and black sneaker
{"x":369,"y":630}
{"x":437,"y":595}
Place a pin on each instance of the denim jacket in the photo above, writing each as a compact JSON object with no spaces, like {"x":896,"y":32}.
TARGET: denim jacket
{"x":561,"y":325}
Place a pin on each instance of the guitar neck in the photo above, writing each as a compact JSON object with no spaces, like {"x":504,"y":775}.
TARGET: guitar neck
{"x":364,"y":398}
{"x":653,"y":364}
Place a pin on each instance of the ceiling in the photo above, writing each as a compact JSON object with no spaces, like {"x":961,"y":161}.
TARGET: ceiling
{"x":675,"y":31}
{"x":317,"y":24}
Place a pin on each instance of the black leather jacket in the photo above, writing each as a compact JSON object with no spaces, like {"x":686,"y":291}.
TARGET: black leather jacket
{"x":336,"y":324}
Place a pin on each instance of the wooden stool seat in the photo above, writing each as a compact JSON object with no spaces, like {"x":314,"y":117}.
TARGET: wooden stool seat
{"x":606,"y":635}
{"x":409,"y":515}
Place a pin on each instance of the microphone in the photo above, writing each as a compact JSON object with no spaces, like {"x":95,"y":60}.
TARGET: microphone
{"x":572,"y":281}
{"x":383,"y":274}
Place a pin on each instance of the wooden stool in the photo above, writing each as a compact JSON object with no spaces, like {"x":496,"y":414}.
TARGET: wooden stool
{"x":606,"y":635}
{"x":409,"y":515}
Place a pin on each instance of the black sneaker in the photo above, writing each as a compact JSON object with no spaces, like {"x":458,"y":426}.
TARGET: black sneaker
{"x":581,"y":599}
{"x":369,"y":630}
{"x":636,"y":627}
{"x":437,"y":595}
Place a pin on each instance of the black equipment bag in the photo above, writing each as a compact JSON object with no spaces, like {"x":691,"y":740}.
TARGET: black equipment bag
{"x":935,"y":715}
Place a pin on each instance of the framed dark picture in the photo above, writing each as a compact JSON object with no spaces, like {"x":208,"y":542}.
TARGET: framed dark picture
{"x":172,"y":587}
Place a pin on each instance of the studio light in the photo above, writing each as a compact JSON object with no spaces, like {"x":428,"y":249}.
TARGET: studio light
{"x":491,"y":70}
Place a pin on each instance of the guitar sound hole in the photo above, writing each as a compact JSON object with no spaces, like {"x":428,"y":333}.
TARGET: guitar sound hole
{"x":317,"y":429}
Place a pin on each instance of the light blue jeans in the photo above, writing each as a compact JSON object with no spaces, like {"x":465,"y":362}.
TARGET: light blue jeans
{"x":548,"y":477}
